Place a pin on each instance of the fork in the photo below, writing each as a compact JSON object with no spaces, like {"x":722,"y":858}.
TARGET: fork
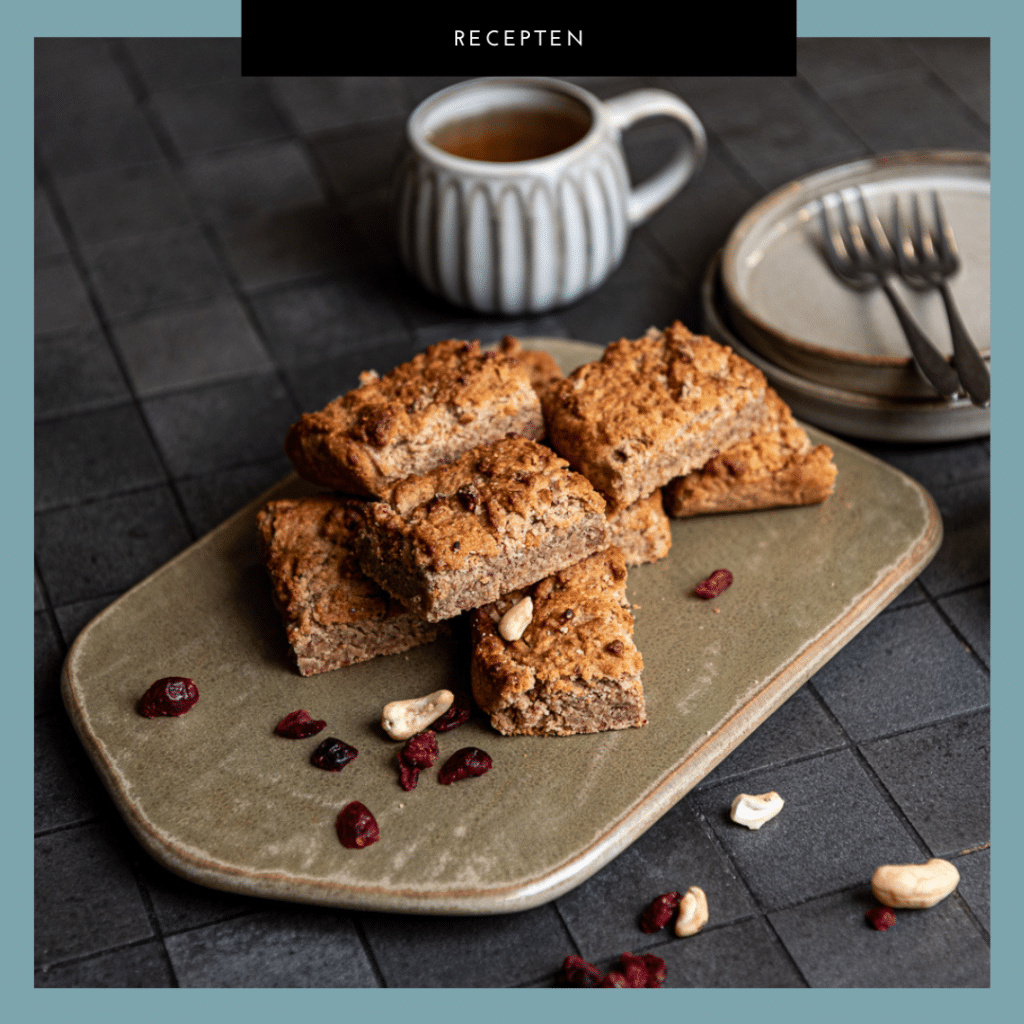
{"x":928,"y":261}
{"x":862,"y":258}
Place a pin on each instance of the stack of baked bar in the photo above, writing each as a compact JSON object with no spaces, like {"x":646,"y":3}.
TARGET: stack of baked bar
{"x":446,"y":502}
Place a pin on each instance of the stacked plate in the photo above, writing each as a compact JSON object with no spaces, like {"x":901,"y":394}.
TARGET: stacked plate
{"x":838,"y":356}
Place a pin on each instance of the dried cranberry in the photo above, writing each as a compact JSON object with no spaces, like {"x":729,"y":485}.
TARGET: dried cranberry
{"x":298,"y":725}
{"x":420,"y":752}
{"x":356,"y":826}
{"x":614,"y":979}
{"x":332,"y":755}
{"x":881,"y":918}
{"x":718,"y":582}
{"x":172,"y":696}
{"x":578,"y":973}
{"x":660,"y":912}
{"x":634,"y":969}
{"x":457,"y":714}
{"x":657,"y":972}
{"x":467,"y":763}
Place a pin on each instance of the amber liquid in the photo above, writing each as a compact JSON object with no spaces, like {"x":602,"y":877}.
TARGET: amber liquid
{"x":507,"y":136}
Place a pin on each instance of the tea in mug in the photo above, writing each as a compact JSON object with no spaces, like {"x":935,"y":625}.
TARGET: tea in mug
{"x":513,"y":134}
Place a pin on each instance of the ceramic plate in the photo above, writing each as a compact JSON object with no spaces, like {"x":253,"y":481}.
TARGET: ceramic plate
{"x":788,"y":305}
{"x":218,"y":798}
{"x":913,"y":420}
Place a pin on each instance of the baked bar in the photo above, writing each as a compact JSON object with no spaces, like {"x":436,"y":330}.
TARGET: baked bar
{"x":504,"y":515}
{"x":333,"y":615}
{"x":777,"y":466}
{"x":576,"y":668}
{"x":419,"y":415}
{"x":641,"y":531}
{"x":541,"y":366}
{"x":653,"y":409}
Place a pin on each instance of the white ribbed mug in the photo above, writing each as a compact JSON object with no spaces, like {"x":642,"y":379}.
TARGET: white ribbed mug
{"x":531,"y":235}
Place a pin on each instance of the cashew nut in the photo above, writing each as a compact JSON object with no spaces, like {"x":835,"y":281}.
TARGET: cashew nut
{"x":514,"y":622}
{"x":402,"y":719}
{"x":754,"y":811}
{"x":914,"y":886}
{"x":693,"y":912}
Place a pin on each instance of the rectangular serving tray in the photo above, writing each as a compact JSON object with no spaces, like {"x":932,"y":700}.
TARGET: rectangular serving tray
{"x":218,"y":798}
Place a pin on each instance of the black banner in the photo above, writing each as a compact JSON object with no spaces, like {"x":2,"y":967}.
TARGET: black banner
{"x":304,"y":38}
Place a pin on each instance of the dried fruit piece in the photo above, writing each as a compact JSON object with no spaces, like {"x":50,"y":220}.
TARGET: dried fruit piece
{"x":467,"y":763}
{"x":718,"y":582}
{"x":660,"y":912}
{"x":332,"y":755}
{"x":634,"y":969}
{"x":172,"y":696}
{"x":614,"y":979}
{"x":657,"y":972}
{"x":881,"y":918}
{"x":457,"y":714}
{"x":419,"y":753}
{"x":578,"y":973}
{"x":356,"y":826}
{"x":298,"y":725}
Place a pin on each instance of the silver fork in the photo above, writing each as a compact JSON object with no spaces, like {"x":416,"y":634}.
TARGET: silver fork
{"x":928,"y":260}
{"x":860,"y":255}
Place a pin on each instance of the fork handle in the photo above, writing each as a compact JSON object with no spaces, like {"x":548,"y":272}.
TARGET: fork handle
{"x":969,"y":365}
{"x":932,"y":366}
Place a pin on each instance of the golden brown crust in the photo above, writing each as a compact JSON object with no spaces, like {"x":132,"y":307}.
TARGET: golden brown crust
{"x":576,"y":668}
{"x":776,"y":467}
{"x":642,"y":530}
{"x":333,"y":615}
{"x":461,"y":535}
{"x":653,"y":409}
{"x":541,"y":366}
{"x":419,"y":415}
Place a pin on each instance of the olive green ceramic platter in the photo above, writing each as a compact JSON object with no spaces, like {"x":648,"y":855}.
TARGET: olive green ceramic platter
{"x":218,"y":798}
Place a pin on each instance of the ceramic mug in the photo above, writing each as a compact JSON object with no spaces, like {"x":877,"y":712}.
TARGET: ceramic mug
{"x":513,"y":195}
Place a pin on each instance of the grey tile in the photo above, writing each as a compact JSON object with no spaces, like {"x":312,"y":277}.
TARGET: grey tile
{"x":93,"y":455}
{"x":315,"y":385}
{"x":104,"y":547}
{"x":316,"y":103}
{"x":86,"y":899}
{"x":61,"y":300}
{"x":168,"y":63}
{"x":67,"y":791}
{"x":49,"y":241}
{"x":974,"y":887}
{"x":240,"y":184}
{"x":835,"y":947}
{"x":209,"y":499}
{"x":76,"y":74}
{"x":76,"y":372}
{"x":418,"y":87}
{"x":218,"y":115}
{"x":141,"y":966}
{"x":48,"y":660}
{"x":742,"y":955}
{"x":136,"y":275}
{"x":355,"y":161}
{"x":963,"y":64}
{"x":310,"y":323}
{"x":71,"y":141}
{"x":788,"y":131}
{"x":970,"y":612}
{"x":910,"y":112}
{"x":940,"y":778}
{"x":964,"y":558}
{"x":181,"y":906}
{"x":603,"y":913}
{"x":799,"y":728}
{"x":834,"y":829}
{"x":190,"y":345}
{"x":286,"y":948}
{"x":835,"y":67}
{"x":905,"y":670}
{"x":40,"y":594}
{"x":936,"y":466}
{"x":221,"y":425}
{"x":502,"y":951}
{"x":287,"y":246}
{"x":122,"y":202}
{"x":73,"y":618}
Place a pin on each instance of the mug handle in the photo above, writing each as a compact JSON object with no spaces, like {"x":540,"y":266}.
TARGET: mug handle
{"x":626,"y":110}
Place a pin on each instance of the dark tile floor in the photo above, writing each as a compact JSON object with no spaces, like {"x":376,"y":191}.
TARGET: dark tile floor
{"x":212,"y":259}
